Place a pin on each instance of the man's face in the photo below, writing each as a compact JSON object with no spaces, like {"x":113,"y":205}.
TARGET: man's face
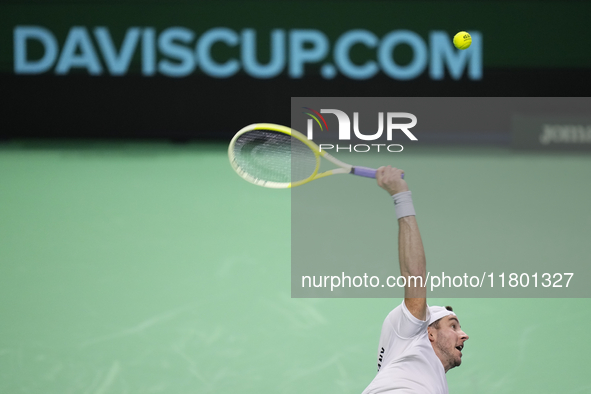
{"x":448,"y":341}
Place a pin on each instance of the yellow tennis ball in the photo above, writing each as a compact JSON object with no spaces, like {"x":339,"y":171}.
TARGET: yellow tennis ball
{"x":462,"y":40}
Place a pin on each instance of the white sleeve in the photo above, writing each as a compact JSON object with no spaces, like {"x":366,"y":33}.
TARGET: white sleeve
{"x":398,"y":331}
{"x":404,"y":324}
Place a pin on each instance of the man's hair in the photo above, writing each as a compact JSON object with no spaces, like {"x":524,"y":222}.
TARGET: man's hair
{"x":435,"y":324}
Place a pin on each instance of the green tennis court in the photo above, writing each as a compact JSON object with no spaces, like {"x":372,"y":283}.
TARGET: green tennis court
{"x":153,"y":268}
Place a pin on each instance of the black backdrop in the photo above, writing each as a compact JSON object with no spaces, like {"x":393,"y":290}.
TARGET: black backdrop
{"x":135,"y":107}
{"x":554,"y":62}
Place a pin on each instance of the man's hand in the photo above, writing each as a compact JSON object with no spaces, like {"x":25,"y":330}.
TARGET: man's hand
{"x":390,"y":179}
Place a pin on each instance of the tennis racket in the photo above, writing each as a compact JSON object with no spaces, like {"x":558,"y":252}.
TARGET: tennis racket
{"x":279,"y":157}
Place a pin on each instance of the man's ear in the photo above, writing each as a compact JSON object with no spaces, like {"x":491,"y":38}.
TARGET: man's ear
{"x":432,"y":334}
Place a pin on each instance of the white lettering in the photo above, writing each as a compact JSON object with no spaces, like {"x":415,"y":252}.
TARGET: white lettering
{"x":368,"y":137}
{"x":344,"y":122}
{"x":404,"y":126}
{"x":565,"y":134}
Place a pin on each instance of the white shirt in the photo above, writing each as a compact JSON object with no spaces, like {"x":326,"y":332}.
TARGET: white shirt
{"x":407,"y":362}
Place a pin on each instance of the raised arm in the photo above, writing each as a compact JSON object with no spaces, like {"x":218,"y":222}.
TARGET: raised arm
{"x":411,"y":253}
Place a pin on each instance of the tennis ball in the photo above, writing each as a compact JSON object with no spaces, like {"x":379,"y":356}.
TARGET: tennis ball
{"x":462,"y":40}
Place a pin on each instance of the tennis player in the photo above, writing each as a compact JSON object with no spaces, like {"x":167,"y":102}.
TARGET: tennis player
{"x":418,"y":343}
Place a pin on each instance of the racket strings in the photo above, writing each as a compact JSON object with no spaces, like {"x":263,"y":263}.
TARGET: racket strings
{"x":273,"y":156}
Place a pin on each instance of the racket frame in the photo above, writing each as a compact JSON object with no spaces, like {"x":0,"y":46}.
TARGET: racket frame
{"x":344,"y":168}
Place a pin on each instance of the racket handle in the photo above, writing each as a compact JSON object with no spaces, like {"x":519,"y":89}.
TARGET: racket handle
{"x":366,"y":172}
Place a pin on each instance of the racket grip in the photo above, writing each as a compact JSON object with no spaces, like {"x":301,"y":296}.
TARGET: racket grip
{"x":366,"y":172}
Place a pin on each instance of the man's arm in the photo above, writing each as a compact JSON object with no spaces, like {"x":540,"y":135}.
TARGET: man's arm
{"x":411,"y":253}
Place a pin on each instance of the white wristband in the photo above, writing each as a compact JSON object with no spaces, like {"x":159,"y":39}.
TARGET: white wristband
{"x":403,"y":204}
